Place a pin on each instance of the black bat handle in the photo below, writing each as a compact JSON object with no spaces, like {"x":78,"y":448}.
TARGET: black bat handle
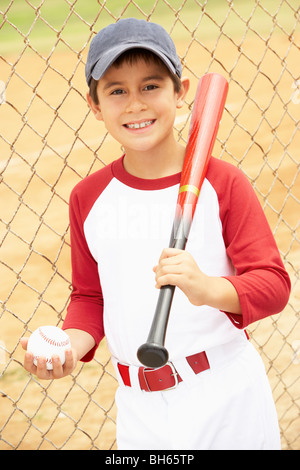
{"x":153,"y":353}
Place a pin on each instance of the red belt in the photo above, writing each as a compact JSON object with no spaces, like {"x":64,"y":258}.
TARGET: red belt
{"x":166,"y":377}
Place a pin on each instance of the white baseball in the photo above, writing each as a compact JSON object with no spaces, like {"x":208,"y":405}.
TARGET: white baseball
{"x":47,"y":341}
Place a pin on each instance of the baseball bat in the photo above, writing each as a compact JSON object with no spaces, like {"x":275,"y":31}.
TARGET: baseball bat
{"x":206,"y":115}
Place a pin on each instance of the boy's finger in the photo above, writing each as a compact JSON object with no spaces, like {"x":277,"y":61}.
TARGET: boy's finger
{"x":57,"y":371}
{"x":24,"y":342}
{"x":69,"y":361}
{"x":41,"y":369}
{"x":169,"y":252}
{"x":60,"y":370}
{"x":28,"y":362}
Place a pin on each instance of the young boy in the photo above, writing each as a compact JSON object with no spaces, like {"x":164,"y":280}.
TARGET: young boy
{"x":214,"y":393}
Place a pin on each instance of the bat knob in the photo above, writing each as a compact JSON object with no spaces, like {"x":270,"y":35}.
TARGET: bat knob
{"x":153,"y":355}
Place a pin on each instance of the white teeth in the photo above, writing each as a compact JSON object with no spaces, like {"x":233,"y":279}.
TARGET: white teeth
{"x":139,"y":126}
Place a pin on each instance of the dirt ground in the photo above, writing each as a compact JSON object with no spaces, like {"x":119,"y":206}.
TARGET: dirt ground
{"x":78,"y":412}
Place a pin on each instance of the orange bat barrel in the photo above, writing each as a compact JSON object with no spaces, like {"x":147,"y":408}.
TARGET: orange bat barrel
{"x":207,"y":111}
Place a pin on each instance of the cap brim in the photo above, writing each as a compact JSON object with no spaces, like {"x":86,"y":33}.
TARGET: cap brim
{"x":107,"y":59}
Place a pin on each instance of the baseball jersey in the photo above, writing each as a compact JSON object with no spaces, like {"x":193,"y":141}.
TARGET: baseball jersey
{"x":119,"y":226}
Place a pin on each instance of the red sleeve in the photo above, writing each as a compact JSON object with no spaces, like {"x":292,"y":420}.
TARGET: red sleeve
{"x":85,"y":310}
{"x":261,"y":281}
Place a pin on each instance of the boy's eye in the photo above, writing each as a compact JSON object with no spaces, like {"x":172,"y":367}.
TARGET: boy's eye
{"x":150,"y":87}
{"x":117,"y":92}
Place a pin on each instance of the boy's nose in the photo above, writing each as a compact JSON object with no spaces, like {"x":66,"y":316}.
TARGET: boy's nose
{"x":135,"y":104}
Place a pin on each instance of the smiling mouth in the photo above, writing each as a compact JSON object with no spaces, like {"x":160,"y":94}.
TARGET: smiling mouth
{"x":139,"y":125}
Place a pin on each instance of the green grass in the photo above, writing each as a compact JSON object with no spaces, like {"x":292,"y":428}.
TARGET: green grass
{"x":43,"y":22}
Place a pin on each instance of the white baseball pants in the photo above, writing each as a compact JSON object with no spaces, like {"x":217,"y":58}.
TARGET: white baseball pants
{"x":228,"y":407}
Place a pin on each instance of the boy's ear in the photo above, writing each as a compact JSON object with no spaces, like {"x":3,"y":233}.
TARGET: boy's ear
{"x":185,"y":85}
{"x":94,"y":107}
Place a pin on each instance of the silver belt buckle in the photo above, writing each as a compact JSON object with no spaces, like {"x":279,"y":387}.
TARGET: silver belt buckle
{"x":174,"y":374}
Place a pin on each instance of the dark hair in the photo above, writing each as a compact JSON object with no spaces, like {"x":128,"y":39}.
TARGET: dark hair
{"x":131,"y":57}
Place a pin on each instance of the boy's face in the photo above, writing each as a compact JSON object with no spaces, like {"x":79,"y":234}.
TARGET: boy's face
{"x":138,"y":103}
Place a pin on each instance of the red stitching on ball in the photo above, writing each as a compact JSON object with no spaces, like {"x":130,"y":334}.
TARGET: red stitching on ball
{"x":52,"y":341}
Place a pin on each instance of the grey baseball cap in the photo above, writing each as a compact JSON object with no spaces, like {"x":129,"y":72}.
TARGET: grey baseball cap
{"x":127,"y":34}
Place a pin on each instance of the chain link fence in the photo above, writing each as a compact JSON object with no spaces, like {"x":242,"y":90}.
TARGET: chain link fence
{"x":49,"y":141}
